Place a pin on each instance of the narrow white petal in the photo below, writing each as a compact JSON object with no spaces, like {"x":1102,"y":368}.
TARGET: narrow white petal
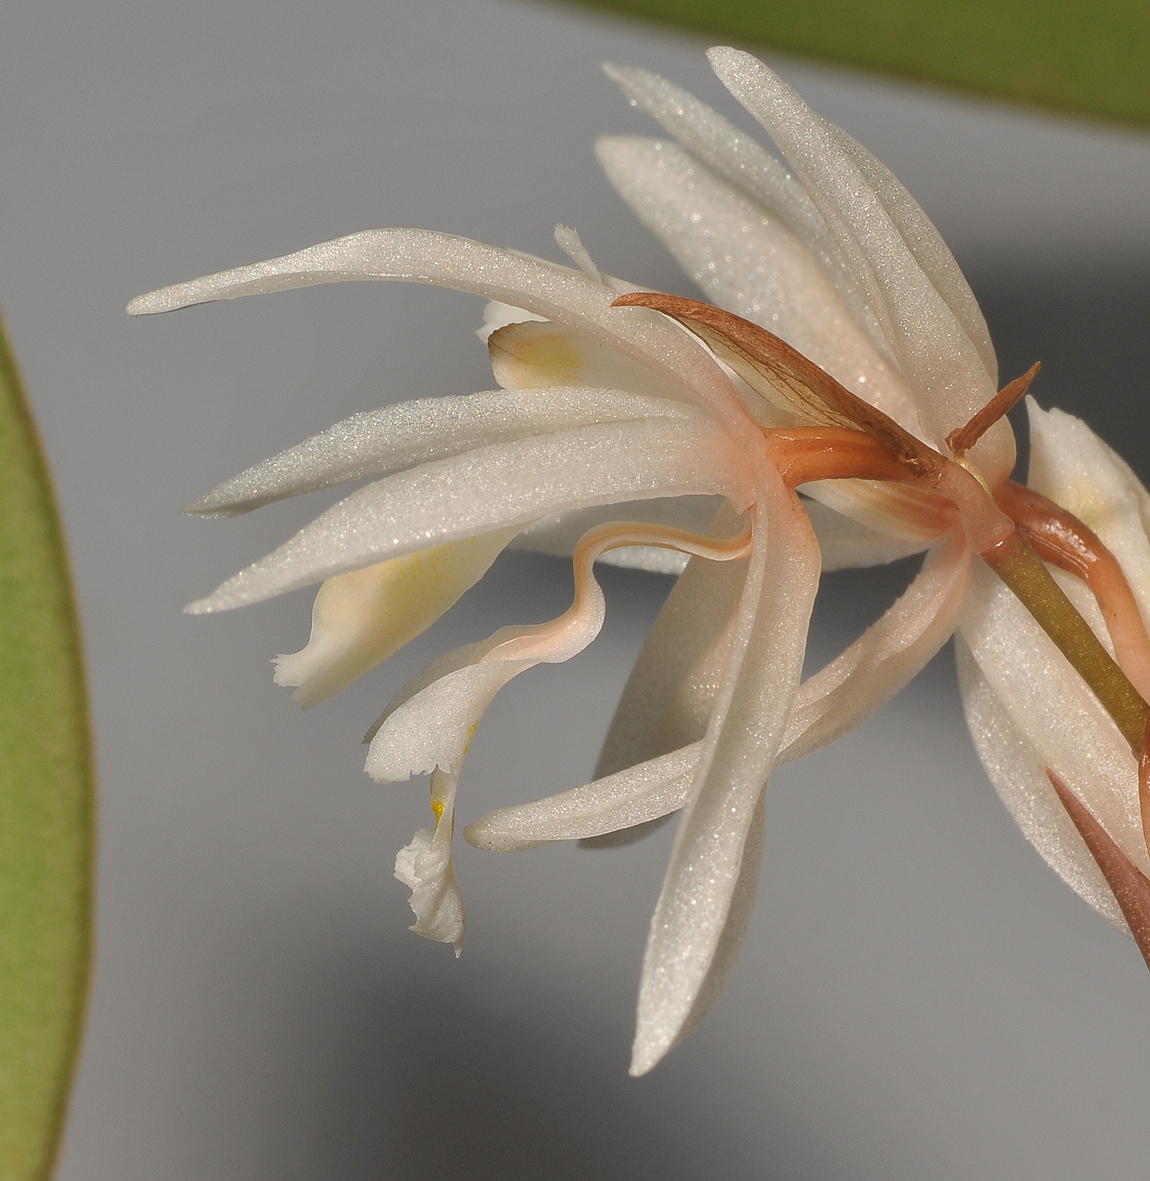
{"x":498,"y":487}
{"x":422,"y":256}
{"x":1054,"y":711}
{"x":668,"y":697}
{"x":633,"y":796}
{"x":930,"y":339}
{"x":884,"y":658}
{"x":712,"y":844}
{"x":750,"y":168}
{"x":379,"y":442}
{"x":572,"y":245}
{"x":1071,"y":465}
{"x":750,"y":262}
{"x":1017,"y":772}
{"x":846,"y":544}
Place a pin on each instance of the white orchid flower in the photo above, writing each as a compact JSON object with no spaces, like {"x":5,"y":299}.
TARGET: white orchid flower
{"x":851,"y":359}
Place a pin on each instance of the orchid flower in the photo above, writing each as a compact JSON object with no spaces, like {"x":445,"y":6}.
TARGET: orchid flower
{"x":844,"y":354}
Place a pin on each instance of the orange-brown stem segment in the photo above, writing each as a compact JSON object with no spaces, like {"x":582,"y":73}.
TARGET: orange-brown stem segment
{"x":1144,"y":787}
{"x":1062,"y":539}
{"x":1129,"y":883}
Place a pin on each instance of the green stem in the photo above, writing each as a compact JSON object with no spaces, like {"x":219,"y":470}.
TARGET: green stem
{"x":1016,"y":563}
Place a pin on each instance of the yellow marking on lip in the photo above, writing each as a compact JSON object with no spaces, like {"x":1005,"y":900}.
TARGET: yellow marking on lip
{"x":437,"y":808}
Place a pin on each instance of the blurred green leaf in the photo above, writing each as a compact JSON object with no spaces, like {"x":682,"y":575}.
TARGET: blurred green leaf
{"x":1091,"y":57}
{"x":46,"y":804}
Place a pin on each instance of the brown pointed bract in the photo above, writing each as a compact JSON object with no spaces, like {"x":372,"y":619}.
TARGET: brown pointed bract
{"x":1129,"y":883}
{"x":795,"y":383}
{"x":961,"y":440}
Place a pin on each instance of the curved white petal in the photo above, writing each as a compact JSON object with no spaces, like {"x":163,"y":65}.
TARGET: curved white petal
{"x":498,"y":487}
{"x":1054,"y":711}
{"x":712,"y":843}
{"x":426,"y":868}
{"x":379,"y":442}
{"x":433,"y":727}
{"x":867,"y":211}
{"x":750,"y":262}
{"x":750,"y":168}
{"x":1016,"y":770}
{"x":1071,"y":465}
{"x":630,"y":797}
{"x":545,"y":289}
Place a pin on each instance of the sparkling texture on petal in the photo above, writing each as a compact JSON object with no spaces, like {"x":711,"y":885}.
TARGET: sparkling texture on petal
{"x":917,"y":293}
{"x":1051,"y":707}
{"x":750,"y":262}
{"x":499,"y":487}
{"x":703,"y":891}
{"x":377,"y":443}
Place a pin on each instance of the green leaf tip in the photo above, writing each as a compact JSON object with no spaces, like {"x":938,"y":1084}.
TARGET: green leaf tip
{"x":46,"y":804}
{"x":1089,"y":57}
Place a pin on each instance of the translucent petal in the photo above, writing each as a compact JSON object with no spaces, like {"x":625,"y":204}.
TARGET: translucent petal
{"x":500,"y":487}
{"x":379,"y":442}
{"x":361,"y":618}
{"x":1016,"y":770}
{"x":712,"y":843}
{"x":633,"y":796}
{"x":547,"y":355}
{"x":846,"y":544}
{"x":750,"y":262}
{"x":1071,"y":465}
{"x":421,"y":256}
{"x":1053,"y":710}
{"x":867,"y":212}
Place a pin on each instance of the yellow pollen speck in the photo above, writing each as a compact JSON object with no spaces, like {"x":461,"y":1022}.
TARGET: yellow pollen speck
{"x":437,"y":808}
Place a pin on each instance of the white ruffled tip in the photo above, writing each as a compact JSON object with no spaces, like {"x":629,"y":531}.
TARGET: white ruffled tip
{"x":425,"y":868}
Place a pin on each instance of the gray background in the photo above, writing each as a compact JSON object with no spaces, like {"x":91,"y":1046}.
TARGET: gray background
{"x":919,"y":997}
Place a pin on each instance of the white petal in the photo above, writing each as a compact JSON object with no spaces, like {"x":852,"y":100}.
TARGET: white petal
{"x":712,"y":844}
{"x":886,"y":657}
{"x":668,"y":697}
{"x":553,"y":356}
{"x":425,"y":867}
{"x":421,"y":256}
{"x":1016,"y":770}
{"x":751,"y":169}
{"x":572,"y":245}
{"x":379,"y":442}
{"x":750,"y":262}
{"x":1071,"y":465}
{"x":633,"y":796}
{"x":867,"y":211}
{"x":498,"y":487}
{"x":1054,"y":711}
{"x":361,"y":618}
{"x":845,"y":544}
